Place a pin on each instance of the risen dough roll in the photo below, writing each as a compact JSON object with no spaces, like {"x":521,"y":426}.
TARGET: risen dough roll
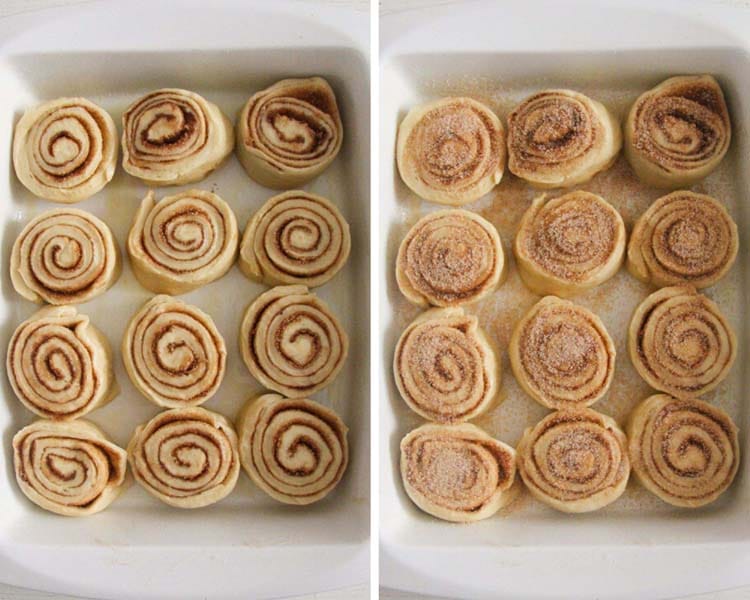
{"x":451,"y":151}
{"x":295,"y":237}
{"x":59,"y":365}
{"x":684,"y":451}
{"x":575,"y":460}
{"x":295,"y":450}
{"x":562,"y":355}
{"x":182,"y":242}
{"x":680,"y":342}
{"x":71,"y":469}
{"x":185,"y":457}
{"x":64,"y":256}
{"x":678,"y":132}
{"x":289,"y":133}
{"x":559,"y":138}
{"x":174,"y":137}
{"x":173,"y":353}
{"x":445,"y":368}
{"x":291,"y":342}
{"x":65,"y":150}
{"x":569,"y":244}
{"x":450,"y":258}
{"x":457,"y":472}
{"x":683,"y":238}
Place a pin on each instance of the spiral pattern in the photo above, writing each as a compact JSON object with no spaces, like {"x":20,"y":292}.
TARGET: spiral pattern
{"x":574,"y":460}
{"x":295,"y":450}
{"x":65,"y":150}
{"x":71,"y":469}
{"x":684,"y":451}
{"x":64,"y":256}
{"x":290,"y":132}
{"x":295,"y":237}
{"x":291,"y":342}
{"x":680,"y":342}
{"x":445,"y":368}
{"x":559,"y":138}
{"x":678,"y":132}
{"x":450,"y":258}
{"x":59,"y":365}
{"x":451,"y":151}
{"x":562,"y":355}
{"x":457,"y":472}
{"x":173,"y":353}
{"x":683,"y":238}
{"x":186,"y":457}
{"x":182,"y":241}
{"x":173,"y":137}
{"x":569,"y":244}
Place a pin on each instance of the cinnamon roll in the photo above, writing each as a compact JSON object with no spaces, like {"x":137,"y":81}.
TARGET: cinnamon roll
{"x":185,"y":457}
{"x":562,"y":355}
{"x":678,"y":132}
{"x":683,"y":238}
{"x":71,"y":469}
{"x":289,"y":133}
{"x":65,"y":150}
{"x":295,"y":237}
{"x":182,"y":242}
{"x":173,"y":353}
{"x":174,"y":137}
{"x":291,"y":342}
{"x":64,"y":256}
{"x":457,"y":472}
{"x":445,"y":368}
{"x":560,"y":138}
{"x":295,"y":450}
{"x":684,"y":451}
{"x":60,"y":365}
{"x":680,"y":342}
{"x":450,"y":258}
{"x":574,"y":460}
{"x":451,"y":151}
{"x":569,"y":244}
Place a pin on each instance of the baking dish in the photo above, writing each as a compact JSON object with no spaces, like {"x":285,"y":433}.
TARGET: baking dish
{"x":499,"y":53}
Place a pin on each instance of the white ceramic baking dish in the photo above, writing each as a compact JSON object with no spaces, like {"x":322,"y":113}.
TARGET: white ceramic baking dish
{"x":247,"y":546}
{"x":500,"y":52}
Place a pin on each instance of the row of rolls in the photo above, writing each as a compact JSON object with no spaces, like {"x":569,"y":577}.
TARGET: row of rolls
{"x":680,"y":447}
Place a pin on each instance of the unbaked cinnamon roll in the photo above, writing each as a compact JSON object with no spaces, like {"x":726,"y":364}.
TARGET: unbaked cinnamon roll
{"x":451,"y":151}
{"x":574,"y":460}
{"x":457,"y":472}
{"x":65,"y":150}
{"x":185,"y":457}
{"x":450,"y":258}
{"x":678,"y":132}
{"x":684,"y":451}
{"x":569,"y":244}
{"x":289,"y":133}
{"x":291,"y":342}
{"x":680,"y":342}
{"x":182,"y":242}
{"x":60,"y":365}
{"x":71,"y":469}
{"x":295,"y":237}
{"x":445,"y":367}
{"x":683,"y":238}
{"x":295,"y":450}
{"x":64,"y":256}
{"x":562,"y":355}
{"x":174,"y":137}
{"x":559,"y":138}
{"x":173,"y":353}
